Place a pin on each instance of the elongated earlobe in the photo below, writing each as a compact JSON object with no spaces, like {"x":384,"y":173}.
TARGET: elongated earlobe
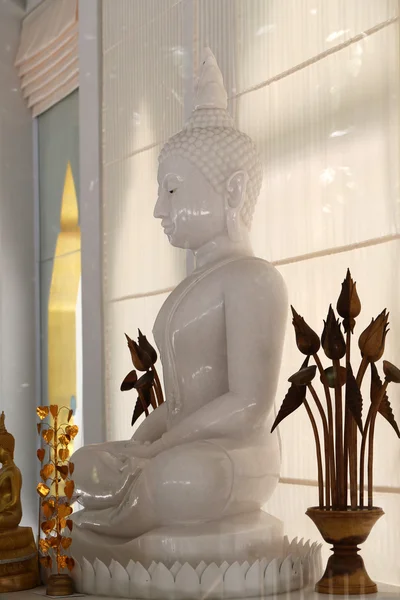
{"x":234,"y":199}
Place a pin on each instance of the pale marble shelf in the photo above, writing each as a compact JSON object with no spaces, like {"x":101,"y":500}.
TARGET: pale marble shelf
{"x":385,"y":592}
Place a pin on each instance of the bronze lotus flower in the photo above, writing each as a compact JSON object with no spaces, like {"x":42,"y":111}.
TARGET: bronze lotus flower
{"x":332,"y":339}
{"x":348,"y":304}
{"x":306,"y":339}
{"x":372,"y":339}
{"x":145,"y":345}
{"x":341,"y":477}
{"x":140,"y":358}
{"x":148,"y":386}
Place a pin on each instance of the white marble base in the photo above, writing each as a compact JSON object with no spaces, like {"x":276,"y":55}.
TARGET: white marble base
{"x":299,"y":565}
{"x":241,"y":538}
{"x":385,"y":592}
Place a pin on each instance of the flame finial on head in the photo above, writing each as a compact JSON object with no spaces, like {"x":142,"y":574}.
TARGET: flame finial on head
{"x":210,"y":92}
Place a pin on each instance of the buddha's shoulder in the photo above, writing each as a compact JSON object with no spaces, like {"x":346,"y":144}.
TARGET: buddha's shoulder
{"x":251,"y":273}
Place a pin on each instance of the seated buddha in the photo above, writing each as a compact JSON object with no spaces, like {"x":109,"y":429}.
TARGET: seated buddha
{"x":191,"y":482}
{"x":18,"y":554}
{"x":10,"y":492}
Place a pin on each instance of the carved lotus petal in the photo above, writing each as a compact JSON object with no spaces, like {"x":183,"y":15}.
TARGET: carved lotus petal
{"x":162,"y":582}
{"x":119,"y":580}
{"x":263,"y":566}
{"x":102,"y":578}
{"x":176,"y":567}
{"x":88,"y":578}
{"x":234,"y":586}
{"x":201,"y":567}
{"x":306,"y":571}
{"x":140,"y":580}
{"x":76,"y":575}
{"x":297,"y":575}
{"x":130,"y":568}
{"x":293,"y":545}
{"x":223,"y":568}
{"x":253,"y":580}
{"x":187,"y":582}
{"x":211,"y":584}
{"x":285,"y":574}
{"x":271,"y":577}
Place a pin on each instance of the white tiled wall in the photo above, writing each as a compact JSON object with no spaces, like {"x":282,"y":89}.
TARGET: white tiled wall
{"x":328,"y":137}
{"x":17,"y":316}
{"x":142,"y":107}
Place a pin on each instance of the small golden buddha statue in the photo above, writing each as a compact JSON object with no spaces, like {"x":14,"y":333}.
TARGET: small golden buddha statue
{"x":10,"y":492}
{"x":18,"y":553}
{"x":7,"y":440}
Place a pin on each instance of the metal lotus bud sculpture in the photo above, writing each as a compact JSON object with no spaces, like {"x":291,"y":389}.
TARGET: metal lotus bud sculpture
{"x":348,"y":305}
{"x":341,"y":516}
{"x":148,"y":386}
{"x":56,"y":491}
{"x":372,"y":339}
{"x":306,"y":339}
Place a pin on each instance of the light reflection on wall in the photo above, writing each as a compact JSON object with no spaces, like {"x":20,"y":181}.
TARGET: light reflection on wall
{"x":62,"y":307}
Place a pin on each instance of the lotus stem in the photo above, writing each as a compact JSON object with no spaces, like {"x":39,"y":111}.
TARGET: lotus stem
{"x":153,"y":401}
{"x":346,"y":452}
{"x":373,"y":411}
{"x":360,"y":375}
{"x":350,"y":441}
{"x":319,"y":457}
{"x":361,"y":371}
{"x":326,"y":445}
{"x":332,"y":472}
{"x":339,"y":436}
{"x":347,"y":429}
{"x":157,"y":386}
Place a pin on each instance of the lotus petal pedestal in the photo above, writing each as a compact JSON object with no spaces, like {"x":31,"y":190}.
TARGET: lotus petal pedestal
{"x":18,"y":560}
{"x":297,"y":567}
{"x":241,"y":538}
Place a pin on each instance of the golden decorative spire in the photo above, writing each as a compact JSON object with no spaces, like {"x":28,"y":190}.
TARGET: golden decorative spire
{"x":69,"y":206}
{"x":63,"y":299}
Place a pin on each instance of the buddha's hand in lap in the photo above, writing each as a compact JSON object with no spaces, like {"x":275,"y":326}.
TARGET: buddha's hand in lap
{"x":147,"y":450}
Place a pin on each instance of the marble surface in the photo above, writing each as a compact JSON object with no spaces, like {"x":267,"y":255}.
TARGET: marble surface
{"x":385,"y":592}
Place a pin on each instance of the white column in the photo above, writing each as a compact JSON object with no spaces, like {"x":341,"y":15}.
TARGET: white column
{"x":17,"y":264}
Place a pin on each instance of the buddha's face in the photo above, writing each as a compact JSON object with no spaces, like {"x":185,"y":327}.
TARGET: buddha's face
{"x":191,"y":212}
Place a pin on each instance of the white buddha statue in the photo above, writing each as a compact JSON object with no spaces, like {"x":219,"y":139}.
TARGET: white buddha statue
{"x":191,"y":483}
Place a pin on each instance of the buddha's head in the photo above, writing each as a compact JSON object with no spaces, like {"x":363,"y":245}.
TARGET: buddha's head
{"x":209,"y":173}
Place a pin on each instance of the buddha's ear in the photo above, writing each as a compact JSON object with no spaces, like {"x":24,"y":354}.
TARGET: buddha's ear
{"x":235,"y":196}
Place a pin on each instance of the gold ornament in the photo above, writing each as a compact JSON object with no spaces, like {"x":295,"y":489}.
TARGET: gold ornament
{"x":57,"y":472}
